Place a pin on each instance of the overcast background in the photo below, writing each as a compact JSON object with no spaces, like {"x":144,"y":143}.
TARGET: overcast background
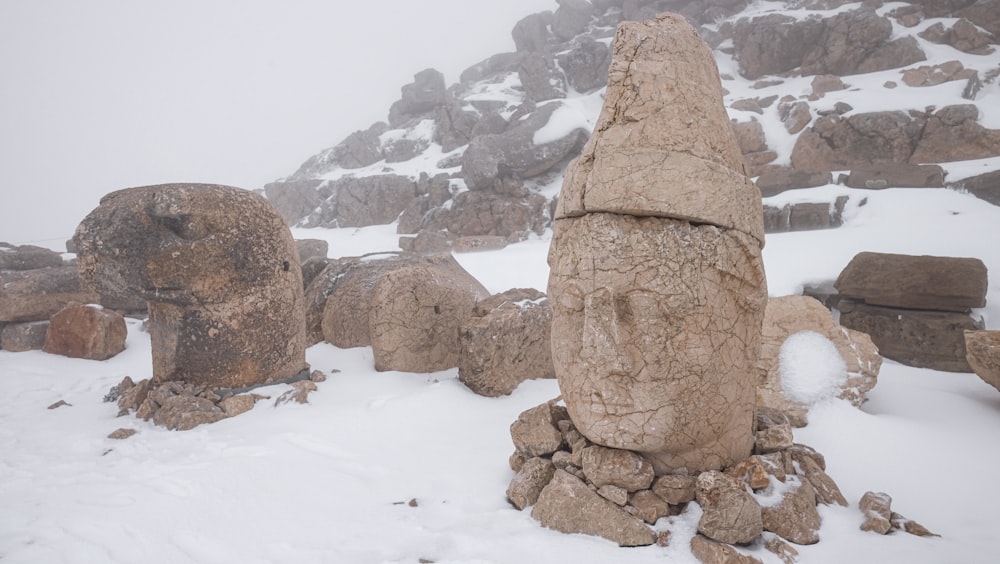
{"x":99,"y":95}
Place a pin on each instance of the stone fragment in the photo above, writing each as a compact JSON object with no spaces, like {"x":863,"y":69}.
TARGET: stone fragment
{"x":929,"y":75}
{"x":27,"y":257}
{"x":710,"y":552}
{"x":648,"y":506}
{"x":235,"y":405}
{"x":569,"y":506}
{"x":294,"y":199}
{"x":889,"y":175}
{"x":614,"y":494}
{"x":984,"y":186}
{"x":86,"y":331}
{"x":773,"y":439}
{"x":617,"y":467}
{"x":877,"y":511}
{"x":37,"y":295}
{"x":534,"y":433}
{"x":827,"y":491}
{"x":58,"y":404}
{"x":821,"y":84}
{"x":776,"y":180}
{"x":730,"y":514}
{"x":921,"y":338}
{"x":753,"y":472}
{"x":531,"y":33}
{"x":220,"y":271}
{"x":915,"y":282}
{"x":540,"y":77}
{"x":298,"y":394}
{"x":571,"y":18}
{"x":26,"y":336}
{"x":982,"y":350}
{"x":424,"y":94}
{"x":901,"y":523}
{"x":132,"y":396}
{"x":586,"y":64}
{"x":675,"y":489}
{"x":122,"y":433}
{"x":794,"y":116}
{"x":505,"y":342}
{"x":310,"y":248}
{"x":532,"y":477}
{"x":517,"y":460}
{"x":183,"y":412}
{"x":794,"y":517}
{"x":775,"y":545}
{"x":800,"y":451}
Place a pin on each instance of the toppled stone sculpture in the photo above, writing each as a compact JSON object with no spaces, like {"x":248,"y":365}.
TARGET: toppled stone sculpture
{"x":220,"y":272}
{"x":657,"y":282}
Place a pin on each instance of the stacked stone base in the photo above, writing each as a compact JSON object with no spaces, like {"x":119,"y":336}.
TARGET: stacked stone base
{"x":575,"y":486}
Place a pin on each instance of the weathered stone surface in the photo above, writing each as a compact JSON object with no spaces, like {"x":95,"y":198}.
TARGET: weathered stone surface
{"x":896,"y":175}
{"x":571,"y":18}
{"x":183,"y":412}
{"x":27,"y":257}
{"x":416,"y":312}
{"x":788,"y":315}
{"x":540,"y":77}
{"x":648,"y":506}
{"x":614,"y":494}
{"x":535,"y":432}
{"x":773,"y":439}
{"x":877,"y":510}
{"x":985,"y":187}
{"x":294,"y":199}
{"x":954,"y":134}
{"x":624,"y":349}
{"x":86,"y":331}
{"x":930,"y":75}
{"x":667,"y":152}
{"x":962,"y":35}
{"x":505,"y":342}
{"x":781,"y":549}
{"x":513,"y":154}
{"x":569,"y":506}
{"x":311,"y":248}
{"x":20,"y":337}
{"x":586,"y":64}
{"x":982,"y":350}
{"x":235,"y":405}
{"x":750,"y":136}
{"x":901,"y":523}
{"x":357,"y":150}
{"x":710,"y":552}
{"x":220,"y":271}
{"x":984,"y":13}
{"x":122,"y":434}
{"x":730,"y":514}
{"x":478,"y":213}
{"x":368,"y":200}
{"x":753,"y":472}
{"x":491,"y":66}
{"x":804,"y":216}
{"x":36,"y":295}
{"x":915,"y":282}
{"x":532,"y":477}
{"x":531,"y":33}
{"x":827,"y":491}
{"x":794,"y":518}
{"x":794,"y":116}
{"x":675,"y":489}
{"x":776,"y":180}
{"x":424,"y":94}
{"x":617,"y":467}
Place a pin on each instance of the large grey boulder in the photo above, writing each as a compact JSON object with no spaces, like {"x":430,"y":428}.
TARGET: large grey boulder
{"x":586,"y":64}
{"x":423,"y":95}
{"x":294,"y":199}
{"x":36,"y":295}
{"x":27,"y":257}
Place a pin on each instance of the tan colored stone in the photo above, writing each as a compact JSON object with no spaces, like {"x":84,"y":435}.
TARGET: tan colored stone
{"x":533,"y":476}
{"x":298,"y":394}
{"x":121,"y":434}
{"x":569,"y":506}
{"x":614,"y":494}
{"x":773,"y":439}
{"x":86,"y":331}
{"x":648,"y":506}
{"x":711,"y":552}
{"x":661,"y":360}
{"x":220,"y":271}
{"x":183,"y":412}
{"x":730,"y":514}
{"x":794,"y":518}
{"x":827,"y":491}
{"x":26,"y":336}
{"x":903,"y":524}
{"x":753,"y":472}
{"x":663,"y":145}
{"x":675,"y":489}
{"x":877,"y":510}
{"x":915,"y":282}
{"x":506,"y":344}
{"x":36,"y":295}
{"x":235,"y":405}
{"x":622,"y":468}
{"x":788,"y":315}
{"x":982,"y":350}
{"x":534,"y":433}
{"x":781,"y":549}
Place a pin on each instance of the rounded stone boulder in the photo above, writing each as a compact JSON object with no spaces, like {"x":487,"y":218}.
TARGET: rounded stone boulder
{"x":220,"y":272}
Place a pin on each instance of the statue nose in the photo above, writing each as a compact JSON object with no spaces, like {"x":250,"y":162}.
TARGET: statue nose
{"x":603,"y":333}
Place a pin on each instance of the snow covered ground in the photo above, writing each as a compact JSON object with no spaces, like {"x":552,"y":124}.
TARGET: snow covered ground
{"x":332,"y":481}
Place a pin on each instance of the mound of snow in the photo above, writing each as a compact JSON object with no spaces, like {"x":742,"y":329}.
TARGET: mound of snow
{"x":811,"y":368}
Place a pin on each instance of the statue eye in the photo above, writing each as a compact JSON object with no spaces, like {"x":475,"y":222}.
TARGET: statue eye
{"x":571,"y":297}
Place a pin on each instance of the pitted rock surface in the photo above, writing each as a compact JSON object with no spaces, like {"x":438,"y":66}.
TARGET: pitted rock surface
{"x":220,"y":272}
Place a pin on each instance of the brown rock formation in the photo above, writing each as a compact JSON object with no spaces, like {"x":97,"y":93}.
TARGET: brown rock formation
{"x":220,"y":272}
{"x":83,"y":331}
{"x":656,"y":277}
{"x":982,"y":350}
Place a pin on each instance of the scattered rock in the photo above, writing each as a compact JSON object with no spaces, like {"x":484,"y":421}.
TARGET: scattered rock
{"x":794,"y":518}
{"x":26,"y":336}
{"x":616,"y":467}
{"x":298,"y":394}
{"x":984,"y":186}
{"x":731,"y":515}
{"x":532,"y":477}
{"x":535,"y":433}
{"x":122,"y":434}
{"x":505,"y":342}
{"x":242,"y":403}
{"x":424,"y":94}
{"x":901,"y":523}
{"x":877,"y":512}
{"x":294,"y":199}
{"x":648,"y":506}
{"x":27,"y":257}
{"x":86,"y":331}
{"x":915,"y":282}
{"x":711,"y":552}
{"x":183,"y":412}
{"x":37,"y":295}
{"x":896,"y":175}
{"x":776,"y":180}
{"x":773,"y":439}
{"x":781,"y":549}
{"x":60,"y":403}
{"x":567,"y":505}
{"x":827,"y":491}
{"x":982,"y":350}
{"x":675,"y":489}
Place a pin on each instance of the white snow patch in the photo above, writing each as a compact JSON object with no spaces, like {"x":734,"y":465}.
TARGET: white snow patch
{"x":811,"y":369}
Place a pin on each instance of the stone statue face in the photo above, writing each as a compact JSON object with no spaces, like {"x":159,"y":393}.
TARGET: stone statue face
{"x":652,"y":335}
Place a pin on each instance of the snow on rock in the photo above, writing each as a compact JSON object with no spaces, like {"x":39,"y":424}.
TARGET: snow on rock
{"x":811,"y":368}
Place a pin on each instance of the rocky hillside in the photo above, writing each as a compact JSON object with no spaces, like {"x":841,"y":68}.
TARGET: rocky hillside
{"x":821,"y":93}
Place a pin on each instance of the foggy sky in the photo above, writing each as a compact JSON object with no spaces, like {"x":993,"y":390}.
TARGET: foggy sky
{"x":99,"y":95}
